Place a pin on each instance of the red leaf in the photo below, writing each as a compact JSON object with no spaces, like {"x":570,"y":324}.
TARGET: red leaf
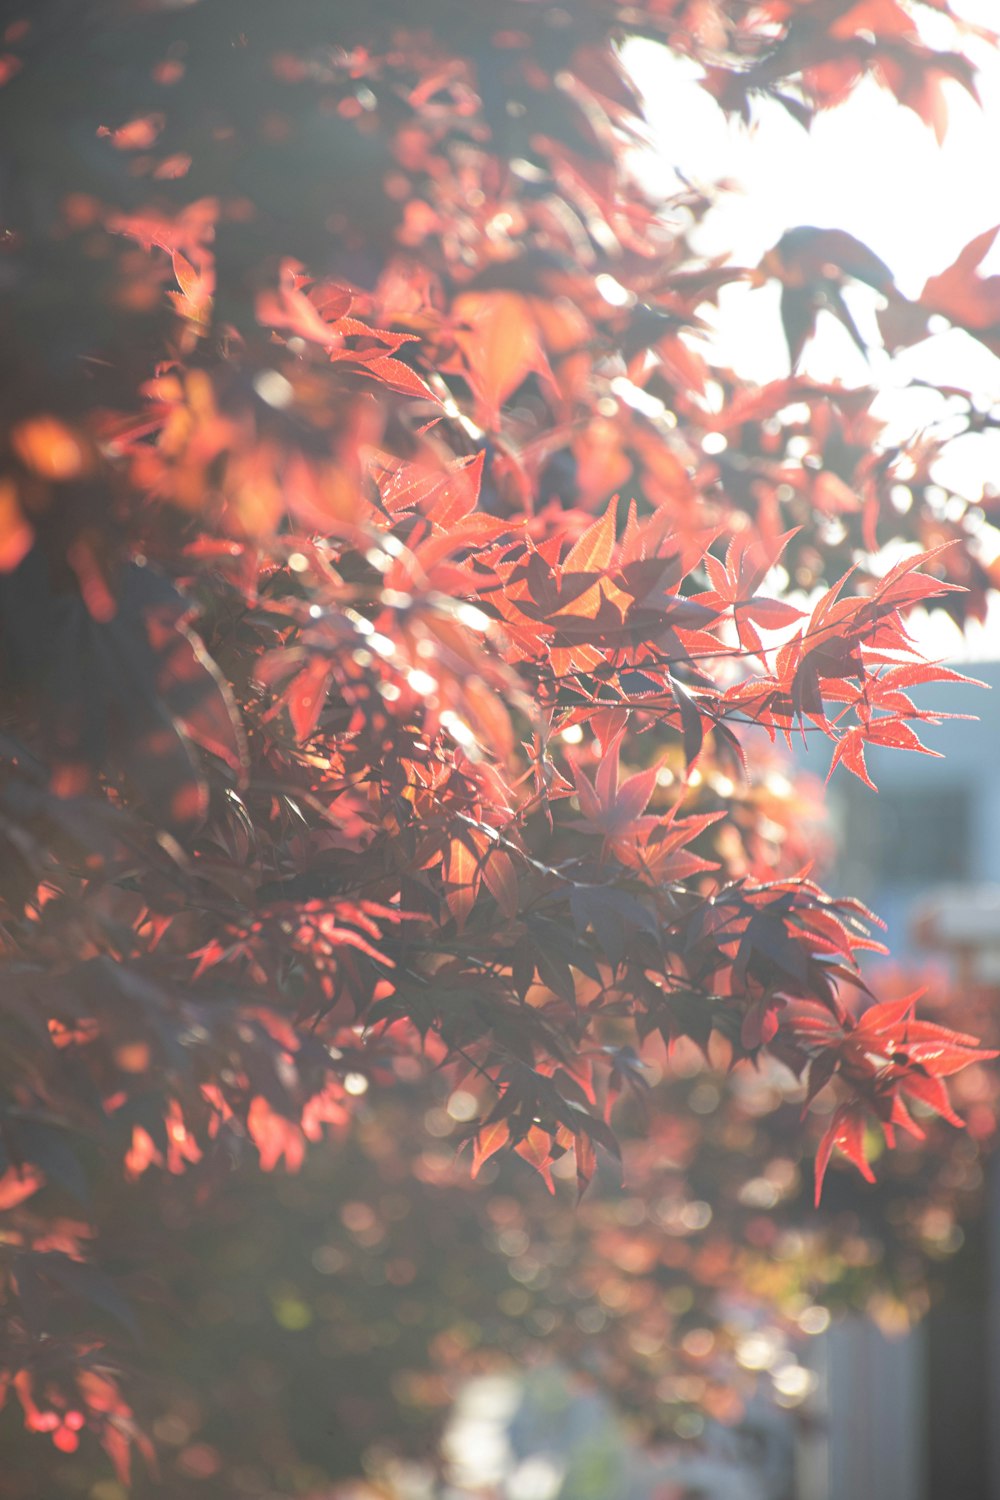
{"x":306,"y":696}
{"x":851,"y":751}
{"x":633,"y":795}
{"x":932,"y":1092}
{"x":878,"y":1019}
{"x":847,"y":1132}
{"x":458,"y":494}
{"x":896,"y":734}
{"x":961,"y":295}
{"x":400,"y":377}
{"x":770,"y":614}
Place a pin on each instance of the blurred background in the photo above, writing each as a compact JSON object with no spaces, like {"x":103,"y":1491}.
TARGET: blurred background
{"x":377,"y":1324}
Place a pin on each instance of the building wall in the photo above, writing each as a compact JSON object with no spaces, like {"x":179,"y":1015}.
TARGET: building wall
{"x":933,"y":822}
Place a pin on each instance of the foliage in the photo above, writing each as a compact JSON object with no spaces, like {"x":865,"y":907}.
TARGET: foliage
{"x":391,"y":605}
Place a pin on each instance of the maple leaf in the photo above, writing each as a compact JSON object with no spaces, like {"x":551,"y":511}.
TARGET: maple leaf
{"x":499,"y":337}
{"x":734,"y":586}
{"x":886,"y":1056}
{"x":615,"y":810}
{"x":965,"y":298}
{"x":846,"y":1131}
{"x":664,"y":853}
{"x":812,"y":265}
{"x":197,"y":287}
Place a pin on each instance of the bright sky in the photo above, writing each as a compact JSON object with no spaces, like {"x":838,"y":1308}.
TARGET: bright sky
{"x":873,"y":168}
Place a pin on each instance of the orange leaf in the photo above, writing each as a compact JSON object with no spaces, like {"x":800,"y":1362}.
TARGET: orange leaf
{"x":16,"y":1184}
{"x":135,"y":135}
{"x":188,"y":278}
{"x":306,"y":696}
{"x":488,"y":1141}
{"x":462,"y":875}
{"x":500,"y":344}
{"x":536,"y":1149}
{"x":16,"y":534}
{"x":50,"y":448}
{"x":593,"y":551}
{"x":501,"y":881}
{"x":489,"y":717}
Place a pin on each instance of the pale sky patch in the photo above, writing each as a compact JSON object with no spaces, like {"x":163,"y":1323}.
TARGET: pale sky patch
{"x":869,"y":166}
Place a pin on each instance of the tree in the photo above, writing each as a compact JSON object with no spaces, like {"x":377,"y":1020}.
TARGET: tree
{"x":395,"y":597}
